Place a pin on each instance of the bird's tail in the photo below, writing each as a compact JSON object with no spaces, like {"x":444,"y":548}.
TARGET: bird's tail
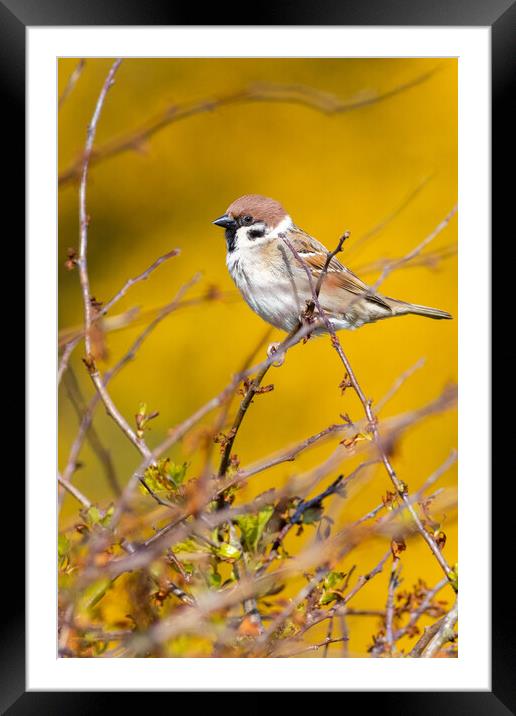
{"x":402,"y":308}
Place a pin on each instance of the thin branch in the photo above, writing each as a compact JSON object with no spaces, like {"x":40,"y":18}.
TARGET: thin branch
{"x":389,"y":609}
{"x":436,"y":635}
{"x":357,"y":244}
{"x":286,"y":94}
{"x":72,"y":81}
{"x":418,"y":613}
{"x":179,"y":431}
{"x":134,"y":316}
{"x":85,"y":502}
{"x":84,"y":278}
{"x":86,"y":430}
{"x":83,"y":216}
{"x":252,"y":390}
{"x":66,"y":355}
{"x":315,"y":647}
{"x":100,"y":312}
{"x":430,"y":259}
{"x":329,"y":257}
{"x":398,"y":383}
{"x":397,"y":263}
{"x":366,"y":404}
{"x":132,"y":281}
{"x":445,"y":633}
{"x":87,"y":413}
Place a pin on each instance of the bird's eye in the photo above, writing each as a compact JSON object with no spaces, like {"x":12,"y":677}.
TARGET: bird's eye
{"x":247,"y":219}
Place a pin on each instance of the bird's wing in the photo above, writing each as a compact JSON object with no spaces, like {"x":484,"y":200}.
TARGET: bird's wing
{"x":315,"y":255}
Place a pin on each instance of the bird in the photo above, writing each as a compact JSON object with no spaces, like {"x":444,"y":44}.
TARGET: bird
{"x":270,"y":260}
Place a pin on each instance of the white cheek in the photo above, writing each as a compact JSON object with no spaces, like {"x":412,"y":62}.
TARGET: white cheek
{"x":244,"y":241}
{"x":241,"y":236}
{"x":284,"y":225}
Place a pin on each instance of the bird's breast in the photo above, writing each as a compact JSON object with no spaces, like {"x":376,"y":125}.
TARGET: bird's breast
{"x":266,"y":287}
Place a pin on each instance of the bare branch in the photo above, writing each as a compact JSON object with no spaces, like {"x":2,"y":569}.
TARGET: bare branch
{"x":436,"y":635}
{"x":85,"y":502}
{"x":366,"y":404}
{"x":358,"y":244}
{"x":430,"y":259}
{"x":286,"y":94}
{"x":397,"y":263}
{"x":72,"y":81}
{"x":389,"y":610}
{"x":425,"y":604}
{"x":398,"y":383}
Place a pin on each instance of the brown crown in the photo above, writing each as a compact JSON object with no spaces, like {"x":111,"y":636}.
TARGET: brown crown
{"x":261,"y":208}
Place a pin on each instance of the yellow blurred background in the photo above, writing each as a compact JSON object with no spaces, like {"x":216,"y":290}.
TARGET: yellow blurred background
{"x":331,"y":172}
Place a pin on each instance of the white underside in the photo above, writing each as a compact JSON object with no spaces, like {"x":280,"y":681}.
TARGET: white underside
{"x":267,"y":286}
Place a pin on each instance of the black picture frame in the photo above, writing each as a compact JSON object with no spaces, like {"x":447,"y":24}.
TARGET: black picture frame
{"x":500,"y":16}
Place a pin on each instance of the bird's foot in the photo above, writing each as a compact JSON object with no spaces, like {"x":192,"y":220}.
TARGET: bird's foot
{"x":271,"y":350}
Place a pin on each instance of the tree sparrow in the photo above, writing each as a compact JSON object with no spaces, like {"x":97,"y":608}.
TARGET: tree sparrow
{"x":275,"y":284}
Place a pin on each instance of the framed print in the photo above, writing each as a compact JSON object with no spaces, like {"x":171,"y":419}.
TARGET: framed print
{"x":263,"y":482}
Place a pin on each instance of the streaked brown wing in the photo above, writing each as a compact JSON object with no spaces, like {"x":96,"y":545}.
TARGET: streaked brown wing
{"x":315,"y":254}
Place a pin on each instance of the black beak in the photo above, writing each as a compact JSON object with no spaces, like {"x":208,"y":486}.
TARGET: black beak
{"x":226,"y":222}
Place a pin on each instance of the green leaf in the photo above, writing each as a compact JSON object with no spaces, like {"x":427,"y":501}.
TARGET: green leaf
{"x":94,"y":593}
{"x":164,"y":477}
{"x":252,"y":527}
{"x":190,"y":546}
{"x":63,"y":545}
{"x":328,"y":598}
{"x":332,"y":579}
{"x":228,"y":551}
{"x":214,"y":578}
{"x":105,"y":521}
{"x":93,"y":516}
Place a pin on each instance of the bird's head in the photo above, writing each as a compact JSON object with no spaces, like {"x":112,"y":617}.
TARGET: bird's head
{"x":253,"y":218}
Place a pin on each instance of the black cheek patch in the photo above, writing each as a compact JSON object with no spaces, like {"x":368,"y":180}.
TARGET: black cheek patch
{"x":255,"y":233}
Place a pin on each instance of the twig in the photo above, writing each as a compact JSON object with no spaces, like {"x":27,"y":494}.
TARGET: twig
{"x":99,"y":313}
{"x":72,"y":81}
{"x":132,"y":281}
{"x":87,"y":413}
{"x":251,"y":391}
{"x":373,"y":428}
{"x":179,"y":431}
{"x":86,"y":430}
{"x":397,"y":263}
{"x":389,"y":609}
{"x":288,"y":94}
{"x":436,"y":635}
{"x":415,"y":616}
{"x":74,"y":491}
{"x":358,"y":243}
{"x":328,"y":261}
{"x":445,"y":633}
{"x":83,"y":216}
{"x":364,"y":579}
{"x":337,"y":485}
{"x":444,"y":467}
{"x":134,"y":315}
{"x":84,"y":278}
{"x":398,"y":383}
{"x":66,"y":355}
{"x":315,"y":647}
{"x":430,"y":259}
